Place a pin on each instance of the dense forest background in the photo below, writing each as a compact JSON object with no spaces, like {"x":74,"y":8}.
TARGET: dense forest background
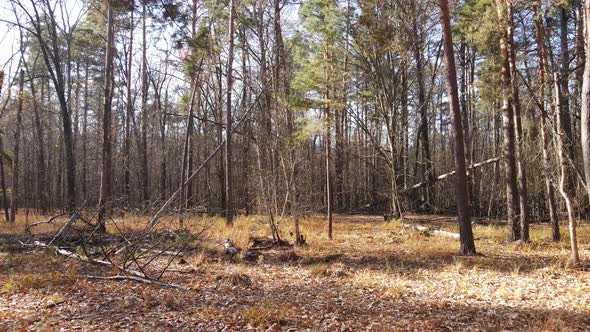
{"x":311,"y":165}
{"x":341,"y":105}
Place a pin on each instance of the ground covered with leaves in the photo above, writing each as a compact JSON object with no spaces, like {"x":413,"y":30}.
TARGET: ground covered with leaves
{"x":374,"y":276}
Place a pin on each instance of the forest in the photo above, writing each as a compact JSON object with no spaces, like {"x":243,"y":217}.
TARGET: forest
{"x":295,"y":165}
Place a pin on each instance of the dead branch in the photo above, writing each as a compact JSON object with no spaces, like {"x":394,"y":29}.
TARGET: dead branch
{"x":447,"y":175}
{"x":66,"y":228}
{"x":139,"y":279}
{"x":28,"y":228}
{"x":432,"y":230}
{"x":86,"y":259}
{"x":163,"y":252}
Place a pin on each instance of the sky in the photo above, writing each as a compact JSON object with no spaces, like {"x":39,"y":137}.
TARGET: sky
{"x":71,"y":12}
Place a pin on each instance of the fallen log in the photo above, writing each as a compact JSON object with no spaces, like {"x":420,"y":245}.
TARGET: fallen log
{"x":432,"y":230}
{"x":447,"y":175}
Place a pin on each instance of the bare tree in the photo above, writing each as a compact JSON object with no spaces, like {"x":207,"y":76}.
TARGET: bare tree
{"x":49,"y":35}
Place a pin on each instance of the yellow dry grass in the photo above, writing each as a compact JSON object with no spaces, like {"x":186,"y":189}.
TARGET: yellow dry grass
{"x":368,"y":260}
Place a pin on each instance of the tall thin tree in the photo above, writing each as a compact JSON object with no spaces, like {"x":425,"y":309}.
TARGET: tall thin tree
{"x":229,"y":211}
{"x":585,"y":112}
{"x":16,"y":159}
{"x":461,"y":193}
{"x":107,"y":159}
{"x":512,"y":198}
{"x":549,"y":186}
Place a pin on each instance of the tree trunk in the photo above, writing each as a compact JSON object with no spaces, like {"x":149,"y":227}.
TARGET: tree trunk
{"x":521,"y":171}
{"x":549,"y":188}
{"x":585,"y":121}
{"x":2,"y":153}
{"x":423,"y":140}
{"x":564,"y":168}
{"x":84,"y":135}
{"x":144,"y":110}
{"x":16,"y":158}
{"x":107,"y":161}
{"x":579,"y":65}
{"x":219,"y":133}
{"x":228,"y":120}
{"x":508,"y":127}
{"x":328,"y":142}
{"x":564,"y":74}
{"x":128,"y":114}
{"x":185,"y":173}
{"x":42,"y":183}
{"x":461,"y":194}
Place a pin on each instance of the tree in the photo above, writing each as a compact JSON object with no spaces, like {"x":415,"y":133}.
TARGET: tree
{"x":16,"y":158}
{"x":422,"y":105}
{"x":518,"y":134}
{"x":508,"y":124}
{"x":564,"y":8}
{"x":549,"y":186}
{"x":324,"y":21}
{"x":2,"y":157}
{"x":144,"y":107}
{"x":107,"y":158}
{"x":128,"y":109}
{"x":229,"y":211}
{"x":585,"y":111}
{"x":43,"y":25}
{"x":564,"y":166}
{"x":461,"y":193}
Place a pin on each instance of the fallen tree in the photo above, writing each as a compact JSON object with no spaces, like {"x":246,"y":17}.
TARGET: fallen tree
{"x":447,"y":175}
{"x":430,"y":230}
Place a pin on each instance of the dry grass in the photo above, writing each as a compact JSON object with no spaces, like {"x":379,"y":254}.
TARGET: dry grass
{"x":266,"y":313}
{"x":22,"y":220}
{"x":371,"y":271}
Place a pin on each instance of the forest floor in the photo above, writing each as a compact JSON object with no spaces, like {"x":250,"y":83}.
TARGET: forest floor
{"x":373,"y":276}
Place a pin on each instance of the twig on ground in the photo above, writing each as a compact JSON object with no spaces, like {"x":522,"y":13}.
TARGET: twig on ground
{"x":54,"y":304}
{"x":139,"y":279}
